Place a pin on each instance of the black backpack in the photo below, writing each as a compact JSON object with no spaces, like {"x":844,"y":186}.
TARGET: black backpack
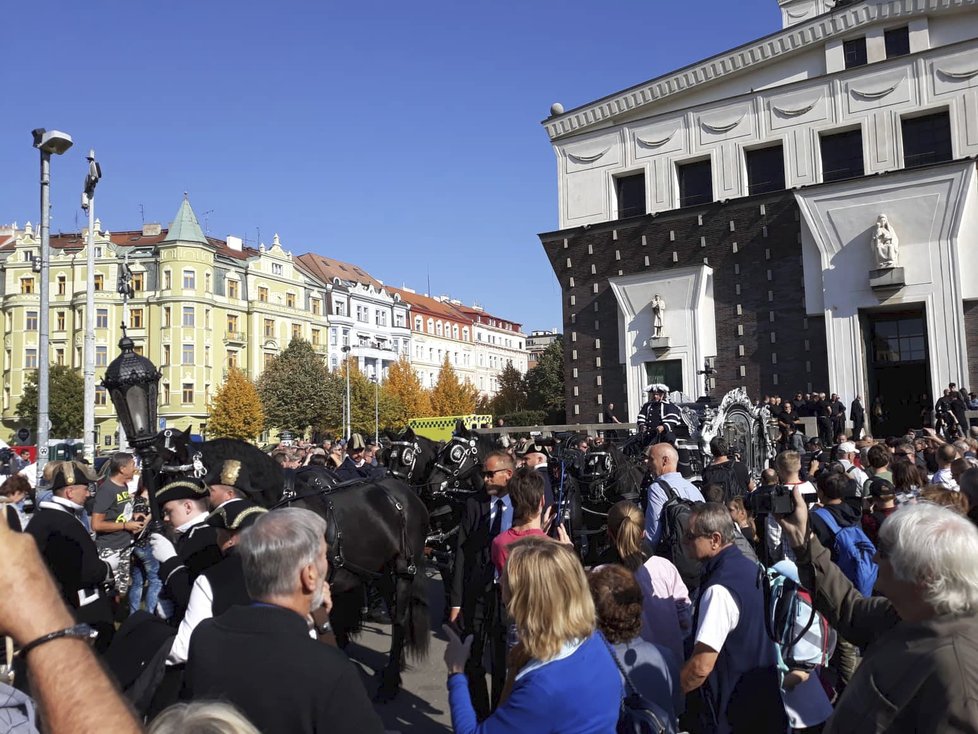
{"x":638,"y":715}
{"x":724,"y":475}
{"x":675,"y":522}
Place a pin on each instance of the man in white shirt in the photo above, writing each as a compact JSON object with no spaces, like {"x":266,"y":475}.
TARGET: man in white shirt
{"x":943,"y":477}
{"x":845,"y":454}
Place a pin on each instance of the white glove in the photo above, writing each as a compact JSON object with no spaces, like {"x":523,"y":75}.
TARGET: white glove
{"x":163,"y":549}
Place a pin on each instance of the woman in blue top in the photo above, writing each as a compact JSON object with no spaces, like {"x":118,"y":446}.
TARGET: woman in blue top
{"x":569,"y":684}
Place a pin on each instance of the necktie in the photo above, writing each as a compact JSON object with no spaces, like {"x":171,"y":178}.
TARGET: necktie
{"x":497,"y":520}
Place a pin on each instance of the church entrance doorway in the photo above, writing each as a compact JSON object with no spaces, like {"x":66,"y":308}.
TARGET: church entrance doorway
{"x":898,"y":371}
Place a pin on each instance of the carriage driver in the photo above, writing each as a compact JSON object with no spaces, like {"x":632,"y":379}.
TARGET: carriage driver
{"x":658,"y":418}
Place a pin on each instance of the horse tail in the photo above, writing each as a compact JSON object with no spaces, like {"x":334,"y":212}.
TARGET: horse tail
{"x":418,"y":620}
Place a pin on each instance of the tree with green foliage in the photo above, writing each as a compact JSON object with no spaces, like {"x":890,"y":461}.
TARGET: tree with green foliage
{"x":235,"y":411}
{"x":451,"y":396}
{"x":511,"y":396}
{"x":66,"y":402}
{"x":292,"y":389}
{"x":545,"y":383}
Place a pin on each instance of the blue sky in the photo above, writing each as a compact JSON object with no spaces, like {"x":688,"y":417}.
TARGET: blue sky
{"x":404,"y":137}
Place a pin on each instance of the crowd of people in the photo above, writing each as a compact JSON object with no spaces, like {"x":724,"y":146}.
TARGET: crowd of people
{"x":218,"y":623}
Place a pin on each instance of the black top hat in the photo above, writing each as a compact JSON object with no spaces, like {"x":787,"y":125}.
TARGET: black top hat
{"x":71,"y":473}
{"x":235,"y":515}
{"x":188,"y":488}
{"x":232,"y":473}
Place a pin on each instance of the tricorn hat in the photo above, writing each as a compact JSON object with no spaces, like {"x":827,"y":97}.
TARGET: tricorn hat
{"x":70,"y":473}
{"x":187,"y":488}
{"x":232,"y":473}
{"x":532,"y":447}
{"x":235,"y":515}
{"x":657,"y":387}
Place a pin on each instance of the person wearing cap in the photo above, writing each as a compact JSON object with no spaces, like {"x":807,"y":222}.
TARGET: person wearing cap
{"x":232,"y":482}
{"x":354,"y":466}
{"x":883,"y":497}
{"x":535,"y":456}
{"x":69,"y":551}
{"x":261,"y":657}
{"x":222,"y":586}
{"x":846,"y":454}
{"x":183,"y":504}
{"x":658,"y":419}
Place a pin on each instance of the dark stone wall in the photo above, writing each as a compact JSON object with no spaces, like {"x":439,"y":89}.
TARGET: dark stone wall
{"x":752,"y":244}
{"x":971,"y":330}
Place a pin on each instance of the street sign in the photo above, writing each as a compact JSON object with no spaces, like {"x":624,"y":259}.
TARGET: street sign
{"x":162,"y":424}
{"x":24,"y":435}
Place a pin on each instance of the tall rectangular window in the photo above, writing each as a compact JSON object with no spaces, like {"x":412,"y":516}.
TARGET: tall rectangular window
{"x":100,"y":396}
{"x":276,"y":268}
{"x":765,"y":169}
{"x":263,"y":294}
{"x":26,"y":285}
{"x":314,"y":337}
{"x":269,"y":327}
{"x":188,"y":315}
{"x":166,"y":354}
{"x":290,"y":300}
{"x":166,"y":317}
{"x":165,"y":393}
{"x":167,"y":280}
{"x":30,"y":359}
{"x":189,"y":279}
{"x":362,"y":314}
{"x":695,"y":183}
{"x":630,"y":193}
{"x":99,"y":282}
{"x":232,"y":322}
{"x":316,"y":307}
{"x":101,"y":318}
{"x":232,"y":359}
{"x":59,"y":321}
{"x":854,"y":52}
{"x":232,"y":289}
{"x":30,"y":322}
{"x":842,"y":155}
{"x":135,"y":318}
{"x":187,"y":356}
{"x":101,"y":356}
{"x":296,"y":331}
{"x":62,"y":285}
{"x":926,"y":139}
{"x":138,"y":282}
{"x":187,"y":395}
{"x":59,"y":356}
{"x":897,"y":42}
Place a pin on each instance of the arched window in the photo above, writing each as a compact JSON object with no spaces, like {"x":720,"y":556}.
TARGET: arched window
{"x":438,"y":328}
{"x":431,"y":326}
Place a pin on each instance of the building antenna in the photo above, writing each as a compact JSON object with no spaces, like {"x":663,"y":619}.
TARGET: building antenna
{"x":258,"y":242}
{"x":428,"y":271}
{"x":142,"y":214}
{"x":206,"y":220}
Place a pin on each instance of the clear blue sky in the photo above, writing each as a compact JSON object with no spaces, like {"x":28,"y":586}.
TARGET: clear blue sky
{"x":402,"y":136}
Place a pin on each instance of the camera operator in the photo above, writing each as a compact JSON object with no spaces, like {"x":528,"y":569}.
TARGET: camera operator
{"x":788,"y":466}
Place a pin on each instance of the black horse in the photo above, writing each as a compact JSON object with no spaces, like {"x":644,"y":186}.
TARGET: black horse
{"x":376,"y":533}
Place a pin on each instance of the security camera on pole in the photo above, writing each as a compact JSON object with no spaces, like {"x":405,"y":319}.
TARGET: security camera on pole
{"x":88,"y":204}
{"x":48,"y":142}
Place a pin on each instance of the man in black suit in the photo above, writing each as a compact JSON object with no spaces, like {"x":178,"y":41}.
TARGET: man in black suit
{"x":857,"y":414}
{"x":261,"y":658}
{"x":476,"y":606}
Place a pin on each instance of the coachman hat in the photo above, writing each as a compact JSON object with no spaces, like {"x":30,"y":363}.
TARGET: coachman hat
{"x":71,"y":473}
{"x":234,"y":474}
{"x":187,"y":488}
{"x":235,"y":515}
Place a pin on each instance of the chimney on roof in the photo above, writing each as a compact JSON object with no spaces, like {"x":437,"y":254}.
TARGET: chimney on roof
{"x":234,"y":243}
{"x":152,"y":229}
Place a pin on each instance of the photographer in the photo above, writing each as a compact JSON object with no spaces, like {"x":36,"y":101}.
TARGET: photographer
{"x":788,"y":466}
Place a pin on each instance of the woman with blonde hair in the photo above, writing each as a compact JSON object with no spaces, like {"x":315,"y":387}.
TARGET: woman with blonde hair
{"x":569,"y":682}
{"x":666,"y":610}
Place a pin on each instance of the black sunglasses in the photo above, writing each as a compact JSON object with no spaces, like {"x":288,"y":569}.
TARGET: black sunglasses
{"x":492,"y":472}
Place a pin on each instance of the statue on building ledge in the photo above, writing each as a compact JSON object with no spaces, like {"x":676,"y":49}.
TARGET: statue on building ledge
{"x":658,"y":313}
{"x":886,"y":244}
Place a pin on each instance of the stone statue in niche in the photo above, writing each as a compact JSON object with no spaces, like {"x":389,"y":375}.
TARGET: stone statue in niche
{"x":886,"y":244}
{"x":658,"y":314}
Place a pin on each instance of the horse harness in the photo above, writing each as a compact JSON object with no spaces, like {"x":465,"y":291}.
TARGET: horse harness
{"x":334,"y":536}
{"x":196,"y":465}
{"x":461,"y":451}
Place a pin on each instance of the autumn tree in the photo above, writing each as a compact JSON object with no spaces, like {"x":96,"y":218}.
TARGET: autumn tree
{"x":292,"y":389}
{"x":235,"y":411}
{"x":66,"y":401}
{"x":451,"y":396}
{"x":409,"y":399}
{"x":545,"y":382}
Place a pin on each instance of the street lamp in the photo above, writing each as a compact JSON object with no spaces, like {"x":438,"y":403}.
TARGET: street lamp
{"x":88,"y":205}
{"x":48,"y":142}
{"x":132,"y":382}
{"x":375,"y":379}
{"x":349,"y":421}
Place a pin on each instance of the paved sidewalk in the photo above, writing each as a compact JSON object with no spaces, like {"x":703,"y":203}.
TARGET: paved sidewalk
{"x":422,"y":704}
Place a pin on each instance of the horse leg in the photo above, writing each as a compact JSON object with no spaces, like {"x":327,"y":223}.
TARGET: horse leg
{"x":390,"y":676}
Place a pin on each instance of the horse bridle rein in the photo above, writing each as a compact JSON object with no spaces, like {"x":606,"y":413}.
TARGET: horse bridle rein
{"x":463,"y":453}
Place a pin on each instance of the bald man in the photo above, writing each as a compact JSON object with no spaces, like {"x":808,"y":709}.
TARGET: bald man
{"x":663,"y":463}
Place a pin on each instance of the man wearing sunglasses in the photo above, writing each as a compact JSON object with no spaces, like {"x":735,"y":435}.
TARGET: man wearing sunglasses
{"x":475,"y":605}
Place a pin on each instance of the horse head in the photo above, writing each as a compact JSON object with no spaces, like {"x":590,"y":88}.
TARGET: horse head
{"x":458,"y":464}
{"x":411,"y":458}
{"x":175,"y":453}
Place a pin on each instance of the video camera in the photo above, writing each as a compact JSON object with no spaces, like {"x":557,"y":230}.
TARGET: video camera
{"x":778,"y":501}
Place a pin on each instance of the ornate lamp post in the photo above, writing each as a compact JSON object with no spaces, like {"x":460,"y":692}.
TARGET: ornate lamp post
{"x":133,"y":384}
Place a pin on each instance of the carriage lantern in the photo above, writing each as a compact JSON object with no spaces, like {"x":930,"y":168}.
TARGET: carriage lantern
{"x":133,"y":384}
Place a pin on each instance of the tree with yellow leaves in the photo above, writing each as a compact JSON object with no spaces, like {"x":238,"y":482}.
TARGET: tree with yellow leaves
{"x":408,"y":399}
{"x":235,"y":411}
{"x":450,"y":396}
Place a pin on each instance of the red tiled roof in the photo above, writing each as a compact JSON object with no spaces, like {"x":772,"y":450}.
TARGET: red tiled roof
{"x":326,"y":268}
{"x":482,"y":316}
{"x":431,"y":306}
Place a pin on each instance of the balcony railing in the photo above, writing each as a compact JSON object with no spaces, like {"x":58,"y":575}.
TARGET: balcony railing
{"x":320,"y":349}
{"x":237,"y":337}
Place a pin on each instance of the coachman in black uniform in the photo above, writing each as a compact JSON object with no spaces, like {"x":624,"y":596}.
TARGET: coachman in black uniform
{"x":658,"y":419}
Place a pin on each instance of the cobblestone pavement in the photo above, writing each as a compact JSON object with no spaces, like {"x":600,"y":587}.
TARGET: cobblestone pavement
{"x":422,"y":704}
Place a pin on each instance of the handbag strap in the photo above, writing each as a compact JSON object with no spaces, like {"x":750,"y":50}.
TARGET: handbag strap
{"x":621,"y":668}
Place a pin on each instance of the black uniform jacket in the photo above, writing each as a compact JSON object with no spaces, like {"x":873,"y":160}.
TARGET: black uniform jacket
{"x":262,"y":659}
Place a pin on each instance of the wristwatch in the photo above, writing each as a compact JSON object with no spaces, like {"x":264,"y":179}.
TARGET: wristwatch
{"x":79,"y":632}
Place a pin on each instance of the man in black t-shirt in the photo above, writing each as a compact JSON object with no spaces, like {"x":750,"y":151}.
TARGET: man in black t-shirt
{"x":732,"y":475}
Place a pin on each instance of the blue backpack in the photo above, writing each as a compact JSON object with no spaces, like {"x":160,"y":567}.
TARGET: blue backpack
{"x":853,"y":552}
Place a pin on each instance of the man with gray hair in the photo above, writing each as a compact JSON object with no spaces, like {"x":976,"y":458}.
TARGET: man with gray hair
{"x":734,"y":663}
{"x":262,"y":657}
{"x":918,"y":672}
